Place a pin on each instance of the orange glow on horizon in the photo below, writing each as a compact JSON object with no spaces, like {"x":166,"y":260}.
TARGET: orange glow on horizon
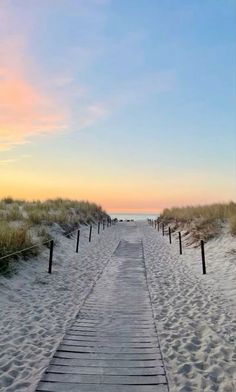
{"x":113,"y":203}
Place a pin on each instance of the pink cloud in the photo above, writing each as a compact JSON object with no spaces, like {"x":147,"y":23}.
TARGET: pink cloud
{"x":33,"y":103}
{"x":25,"y":110}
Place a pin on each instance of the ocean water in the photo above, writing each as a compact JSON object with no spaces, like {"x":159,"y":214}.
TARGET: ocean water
{"x":134,"y":216}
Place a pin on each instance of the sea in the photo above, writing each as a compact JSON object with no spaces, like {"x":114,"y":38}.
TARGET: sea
{"x":134,"y":216}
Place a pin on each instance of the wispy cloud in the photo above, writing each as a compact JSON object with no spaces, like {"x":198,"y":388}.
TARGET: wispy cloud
{"x":34,"y":102}
{"x":38,"y":101}
{"x":25,"y":110}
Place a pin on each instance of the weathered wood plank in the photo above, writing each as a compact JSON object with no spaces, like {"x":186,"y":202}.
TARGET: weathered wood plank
{"x":113,"y":334}
{"x":74,"y":387}
{"x":114,"y":344}
{"x":103,"y":379}
{"x":115,"y":371}
{"x":106,"y":350}
{"x":116,"y":339}
{"x":107,"y":356}
{"x":104,"y":364}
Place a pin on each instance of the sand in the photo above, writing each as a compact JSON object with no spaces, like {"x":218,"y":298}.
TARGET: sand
{"x":36,"y":308}
{"x":194,"y":314}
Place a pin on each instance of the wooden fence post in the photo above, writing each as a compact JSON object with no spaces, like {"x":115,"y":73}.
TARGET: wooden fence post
{"x":180,"y":244}
{"x":203,"y":258}
{"x":163,"y":229}
{"x":90,"y":233}
{"x":50,"y":257}
{"x":77,"y":242}
{"x":170,"y":234}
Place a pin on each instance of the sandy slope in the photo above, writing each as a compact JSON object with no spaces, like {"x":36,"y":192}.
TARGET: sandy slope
{"x":36,"y":307}
{"x":194,"y":313}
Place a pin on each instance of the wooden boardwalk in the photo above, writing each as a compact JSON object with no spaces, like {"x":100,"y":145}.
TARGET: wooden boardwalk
{"x":112,"y":346}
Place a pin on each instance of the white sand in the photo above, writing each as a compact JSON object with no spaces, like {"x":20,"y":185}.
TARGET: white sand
{"x":36,"y":308}
{"x":194,"y":314}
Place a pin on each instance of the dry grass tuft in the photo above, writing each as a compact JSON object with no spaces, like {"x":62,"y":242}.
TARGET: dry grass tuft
{"x":14,"y":213}
{"x":232,"y":223}
{"x":14,"y":239}
{"x":45,"y":236}
{"x":20,"y":218}
{"x":204,"y":221}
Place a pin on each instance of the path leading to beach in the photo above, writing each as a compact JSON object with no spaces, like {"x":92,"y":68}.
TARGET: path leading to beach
{"x":193,"y":315}
{"x":113,"y":344}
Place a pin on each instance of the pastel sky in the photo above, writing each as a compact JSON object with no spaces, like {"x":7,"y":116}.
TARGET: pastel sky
{"x":128,"y":103}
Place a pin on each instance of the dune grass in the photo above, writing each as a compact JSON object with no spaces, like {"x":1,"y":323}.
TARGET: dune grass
{"x":204,"y":220}
{"x":20,"y":219}
{"x":14,"y":239}
{"x":63,"y":211}
{"x":232,"y":223}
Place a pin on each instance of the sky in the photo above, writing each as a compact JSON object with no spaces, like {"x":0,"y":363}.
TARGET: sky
{"x":127,"y":103}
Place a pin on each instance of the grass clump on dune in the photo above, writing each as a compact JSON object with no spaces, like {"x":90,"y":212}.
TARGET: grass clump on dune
{"x":232,"y":223}
{"x":64,"y":212}
{"x":14,"y":239}
{"x":21,"y":219}
{"x":14,"y":213}
{"x":204,"y":221}
{"x":213,"y":211}
{"x":61,"y":211}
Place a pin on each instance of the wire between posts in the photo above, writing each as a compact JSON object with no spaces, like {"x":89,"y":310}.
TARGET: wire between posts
{"x":23,"y":250}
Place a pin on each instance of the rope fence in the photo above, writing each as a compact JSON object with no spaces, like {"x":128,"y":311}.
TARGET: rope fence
{"x":10,"y":256}
{"x":158,"y":223}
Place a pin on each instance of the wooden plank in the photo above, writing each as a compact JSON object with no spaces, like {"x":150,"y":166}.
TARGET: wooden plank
{"x":74,"y":387}
{"x":103,"y":363}
{"x":106,"y":356}
{"x":115,"y":339}
{"x":103,"y":379}
{"x":106,"y":350}
{"x":115,"y":371}
{"x":118,"y":331}
{"x":129,"y":321}
{"x":113,"y":334}
{"x":108,"y":344}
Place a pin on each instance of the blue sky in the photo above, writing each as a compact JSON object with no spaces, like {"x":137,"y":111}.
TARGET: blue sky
{"x":134,"y":98}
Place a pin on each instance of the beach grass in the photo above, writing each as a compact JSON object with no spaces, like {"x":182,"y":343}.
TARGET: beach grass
{"x":205,"y":221}
{"x":23,"y":220}
{"x":232,"y":223}
{"x":14,"y":239}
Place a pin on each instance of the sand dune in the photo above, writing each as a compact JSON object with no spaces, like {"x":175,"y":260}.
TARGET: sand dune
{"x":194,"y":314}
{"x":36,"y":307}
